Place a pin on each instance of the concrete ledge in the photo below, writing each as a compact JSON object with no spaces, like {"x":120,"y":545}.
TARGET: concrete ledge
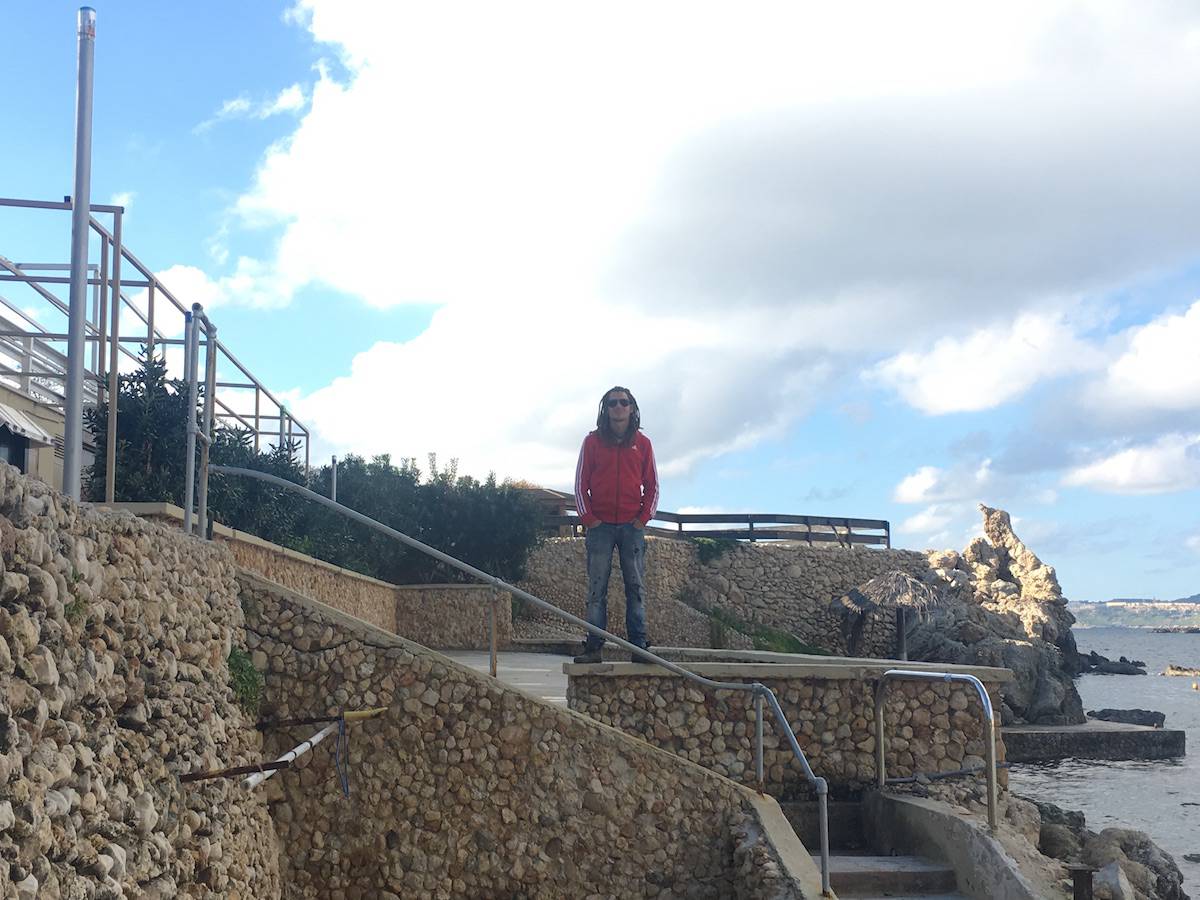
{"x":912,"y":825}
{"x":1095,"y":739}
{"x":796,"y":860}
{"x":782,"y":665}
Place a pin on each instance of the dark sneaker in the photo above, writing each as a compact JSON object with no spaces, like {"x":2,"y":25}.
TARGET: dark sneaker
{"x":589,"y":656}
{"x":634,"y":656}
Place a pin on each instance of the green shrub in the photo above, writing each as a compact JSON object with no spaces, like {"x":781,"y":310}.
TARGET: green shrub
{"x":764,"y":637}
{"x":245,"y":681}
{"x":710,"y":549}
{"x":492,"y":526}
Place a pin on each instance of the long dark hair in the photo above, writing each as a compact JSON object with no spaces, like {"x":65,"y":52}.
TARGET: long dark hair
{"x":604,"y":429}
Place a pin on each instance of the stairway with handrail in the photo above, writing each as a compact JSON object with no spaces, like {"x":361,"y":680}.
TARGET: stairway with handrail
{"x":762,"y":694}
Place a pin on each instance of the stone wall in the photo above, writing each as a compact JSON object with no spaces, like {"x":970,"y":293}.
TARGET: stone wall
{"x":114,"y":635}
{"x":453,"y":616}
{"x":930,"y":727}
{"x":364,"y":598}
{"x":782,"y":585}
{"x":444,"y":616}
{"x":557,"y":573}
{"x":466,"y":788}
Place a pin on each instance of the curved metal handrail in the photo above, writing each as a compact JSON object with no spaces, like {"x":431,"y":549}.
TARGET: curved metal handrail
{"x":948,"y":677}
{"x":760,"y":691}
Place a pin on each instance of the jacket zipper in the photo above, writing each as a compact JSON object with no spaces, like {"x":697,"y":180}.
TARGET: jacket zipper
{"x":617,"y":500}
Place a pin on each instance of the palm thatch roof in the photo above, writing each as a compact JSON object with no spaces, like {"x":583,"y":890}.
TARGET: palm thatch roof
{"x":891,"y":589}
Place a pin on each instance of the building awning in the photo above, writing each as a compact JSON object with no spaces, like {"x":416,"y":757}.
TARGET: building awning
{"x":19,"y":423}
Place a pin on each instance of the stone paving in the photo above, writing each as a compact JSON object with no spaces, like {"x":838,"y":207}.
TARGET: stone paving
{"x":538,"y":674}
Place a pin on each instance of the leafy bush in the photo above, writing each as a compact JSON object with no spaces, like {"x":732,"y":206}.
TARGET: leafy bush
{"x":491,"y":526}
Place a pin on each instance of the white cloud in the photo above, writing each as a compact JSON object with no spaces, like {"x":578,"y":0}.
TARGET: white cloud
{"x":930,"y":483}
{"x":1157,"y":369}
{"x":989,"y":367}
{"x":916,"y":487}
{"x":122,"y":198}
{"x":460,"y":390}
{"x":1193,"y":543}
{"x":289,"y":100}
{"x":1169,"y":464}
{"x":719,"y":220}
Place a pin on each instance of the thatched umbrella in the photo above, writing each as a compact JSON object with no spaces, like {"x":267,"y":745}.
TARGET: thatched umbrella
{"x":891,"y":590}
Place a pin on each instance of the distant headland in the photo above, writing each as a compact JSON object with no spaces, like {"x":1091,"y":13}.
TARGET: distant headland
{"x":1170,"y":614}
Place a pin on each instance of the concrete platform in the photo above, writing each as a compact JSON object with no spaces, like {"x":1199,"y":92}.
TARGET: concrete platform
{"x":538,"y":674}
{"x":1095,"y":739}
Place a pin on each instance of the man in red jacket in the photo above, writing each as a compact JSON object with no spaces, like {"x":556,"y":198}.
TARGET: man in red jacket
{"x":616,"y":494}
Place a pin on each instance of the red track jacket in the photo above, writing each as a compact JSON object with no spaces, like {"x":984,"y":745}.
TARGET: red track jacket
{"x":616,"y":484}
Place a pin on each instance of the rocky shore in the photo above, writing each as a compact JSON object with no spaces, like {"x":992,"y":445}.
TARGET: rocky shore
{"x":1002,"y":606}
{"x":1183,"y":671}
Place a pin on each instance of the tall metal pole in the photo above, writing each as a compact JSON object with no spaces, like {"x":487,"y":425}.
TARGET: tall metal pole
{"x":81,"y":212}
{"x":333,"y":480}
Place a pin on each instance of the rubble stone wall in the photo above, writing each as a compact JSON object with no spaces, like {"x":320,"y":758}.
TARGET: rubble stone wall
{"x":114,"y":639}
{"x":930,"y":727}
{"x":453,"y":616}
{"x":443,"y":616}
{"x":781,"y":585}
{"x":466,"y":788}
{"x":364,"y":598}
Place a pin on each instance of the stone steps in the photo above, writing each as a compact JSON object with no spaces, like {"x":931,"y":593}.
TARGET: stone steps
{"x":889,"y":876}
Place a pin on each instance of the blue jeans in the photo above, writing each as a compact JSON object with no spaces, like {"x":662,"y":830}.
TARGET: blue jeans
{"x":630,"y":544}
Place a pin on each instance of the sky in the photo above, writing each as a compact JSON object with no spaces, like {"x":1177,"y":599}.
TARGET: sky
{"x":859,"y":259}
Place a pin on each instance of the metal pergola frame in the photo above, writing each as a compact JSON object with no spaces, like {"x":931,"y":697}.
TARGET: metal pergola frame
{"x":31,"y":365}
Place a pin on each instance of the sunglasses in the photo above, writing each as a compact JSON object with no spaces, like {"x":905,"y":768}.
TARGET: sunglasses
{"x":614,"y":402}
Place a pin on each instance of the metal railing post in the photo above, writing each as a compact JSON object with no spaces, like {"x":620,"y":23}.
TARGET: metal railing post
{"x":758,"y":741}
{"x":210,"y":392}
{"x":492,"y":663}
{"x":989,"y":717}
{"x":150,"y":318}
{"x":114,"y":360}
{"x":191,"y":328}
{"x":819,"y":784}
{"x":102,"y":322}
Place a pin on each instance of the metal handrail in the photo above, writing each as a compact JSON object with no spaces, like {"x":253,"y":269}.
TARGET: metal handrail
{"x":100,"y":333}
{"x":948,"y":677}
{"x":760,"y":691}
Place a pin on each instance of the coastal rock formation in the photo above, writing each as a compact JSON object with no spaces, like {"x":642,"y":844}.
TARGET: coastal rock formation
{"x":1102,"y":665}
{"x":1128,"y":863}
{"x":1003,"y":606}
{"x":1182,"y":670}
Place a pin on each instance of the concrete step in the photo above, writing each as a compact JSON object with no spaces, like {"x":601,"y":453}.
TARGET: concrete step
{"x":889,"y":876}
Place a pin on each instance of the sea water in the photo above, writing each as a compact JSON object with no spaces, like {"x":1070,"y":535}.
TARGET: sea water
{"x":1160,"y":797}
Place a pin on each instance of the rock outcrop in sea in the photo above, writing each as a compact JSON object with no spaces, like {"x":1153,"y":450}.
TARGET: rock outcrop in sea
{"x":1003,"y":606}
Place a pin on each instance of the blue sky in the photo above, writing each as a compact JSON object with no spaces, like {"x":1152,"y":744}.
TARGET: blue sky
{"x":861,"y":261}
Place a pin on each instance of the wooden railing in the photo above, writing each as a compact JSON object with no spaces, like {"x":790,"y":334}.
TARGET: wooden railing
{"x":841,"y":530}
